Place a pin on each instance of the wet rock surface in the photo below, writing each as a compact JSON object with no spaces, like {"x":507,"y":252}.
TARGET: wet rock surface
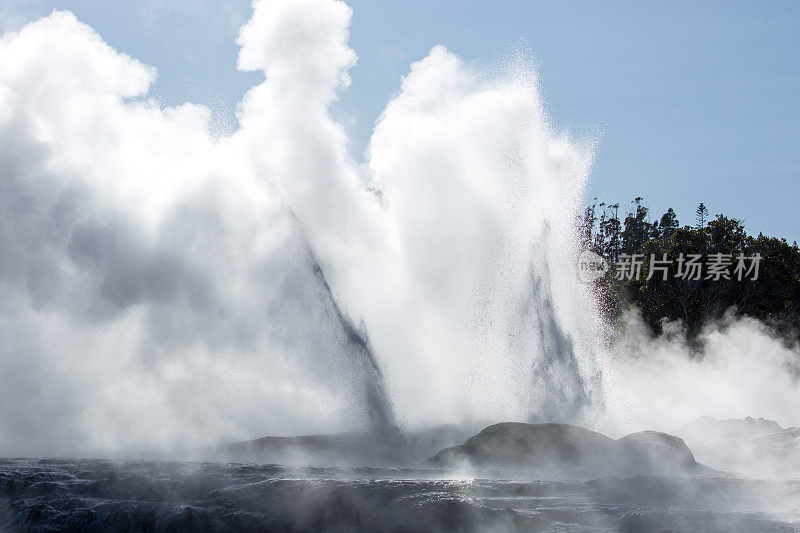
{"x":79,"y":495}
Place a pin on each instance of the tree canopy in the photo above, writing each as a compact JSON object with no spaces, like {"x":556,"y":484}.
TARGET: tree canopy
{"x":773,"y":296}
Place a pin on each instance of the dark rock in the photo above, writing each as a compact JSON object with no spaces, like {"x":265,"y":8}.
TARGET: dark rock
{"x":515,"y":444}
{"x":362,"y":449}
{"x":656,"y":451}
{"x":570,"y":449}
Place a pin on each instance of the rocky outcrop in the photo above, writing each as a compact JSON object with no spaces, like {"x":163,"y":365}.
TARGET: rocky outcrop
{"x":756,"y":447}
{"x":656,"y":451}
{"x":516,"y":444}
{"x":547,"y":448}
{"x":344,"y":449}
{"x":570,"y":449}
{"x":706,"y":426}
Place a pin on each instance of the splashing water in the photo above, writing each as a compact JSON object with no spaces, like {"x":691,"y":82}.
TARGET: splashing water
{"x":162,"y":287}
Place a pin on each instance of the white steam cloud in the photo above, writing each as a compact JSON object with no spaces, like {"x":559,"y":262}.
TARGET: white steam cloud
{"x":160,"y":287}
{"x":662,"y":383}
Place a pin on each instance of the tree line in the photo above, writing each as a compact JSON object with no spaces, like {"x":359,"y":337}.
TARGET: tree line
{"x":772,"y":297}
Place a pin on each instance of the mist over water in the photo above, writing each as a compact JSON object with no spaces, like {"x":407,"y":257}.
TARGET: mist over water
{"x":163,"y":288}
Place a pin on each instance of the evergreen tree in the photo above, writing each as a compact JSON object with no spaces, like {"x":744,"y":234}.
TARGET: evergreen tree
{"x":587,"y":227}
{"x":637,"y":229}
{"x":702,"y":214}
{"x":612,"y":231}
{"x":669,"y":223}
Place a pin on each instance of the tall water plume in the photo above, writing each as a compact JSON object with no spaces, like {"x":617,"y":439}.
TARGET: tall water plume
{"x":162,"y":287}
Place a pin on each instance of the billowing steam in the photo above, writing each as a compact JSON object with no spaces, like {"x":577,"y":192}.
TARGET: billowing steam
{"x":662,"y":383}
{"x":161,"y":287}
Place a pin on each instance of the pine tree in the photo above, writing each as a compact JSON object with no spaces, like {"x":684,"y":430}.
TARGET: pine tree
{"x":702,"y":213}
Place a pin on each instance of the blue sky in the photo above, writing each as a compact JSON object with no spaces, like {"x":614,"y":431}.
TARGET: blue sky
{"x":691,"y":101}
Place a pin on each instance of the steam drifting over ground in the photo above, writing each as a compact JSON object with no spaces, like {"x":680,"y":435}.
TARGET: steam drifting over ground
{"x":743,"y":369}
{"x":163,"y":288}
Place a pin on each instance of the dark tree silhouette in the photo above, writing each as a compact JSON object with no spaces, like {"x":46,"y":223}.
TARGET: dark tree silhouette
{"x":702,"y":214}
{"x":773,"y":297}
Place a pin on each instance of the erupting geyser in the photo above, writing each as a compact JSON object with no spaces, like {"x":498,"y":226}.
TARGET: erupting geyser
{"x":164,"y":287}
{"x":393,"y":341}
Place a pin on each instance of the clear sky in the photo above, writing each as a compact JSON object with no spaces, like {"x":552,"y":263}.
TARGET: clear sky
{"x":691,"y":101}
